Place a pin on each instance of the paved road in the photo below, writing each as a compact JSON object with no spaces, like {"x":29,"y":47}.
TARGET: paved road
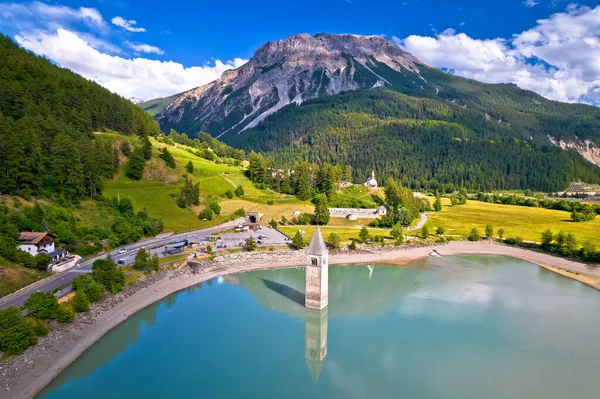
{"x":421,"y":223}
{"x":86,"y":265}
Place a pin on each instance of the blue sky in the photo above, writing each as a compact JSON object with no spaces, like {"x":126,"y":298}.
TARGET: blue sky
{"x":174,"y":46}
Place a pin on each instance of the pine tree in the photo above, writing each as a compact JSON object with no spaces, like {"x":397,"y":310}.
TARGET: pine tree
{"x":189,"y":167}
{"x":322,"y":211}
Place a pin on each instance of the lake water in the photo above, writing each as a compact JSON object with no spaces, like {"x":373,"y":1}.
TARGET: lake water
{"x":453,"y":328}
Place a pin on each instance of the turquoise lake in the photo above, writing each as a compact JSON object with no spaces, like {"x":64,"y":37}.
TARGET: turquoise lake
{"x":466,"y":327}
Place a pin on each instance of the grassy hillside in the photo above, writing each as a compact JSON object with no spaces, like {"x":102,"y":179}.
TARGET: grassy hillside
{"x":155,"y":192}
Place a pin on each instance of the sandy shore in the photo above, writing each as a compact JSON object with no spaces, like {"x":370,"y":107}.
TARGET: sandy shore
{"x":26,"y":375}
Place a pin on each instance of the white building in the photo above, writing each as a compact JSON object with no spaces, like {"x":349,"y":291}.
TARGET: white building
{"x":371,"y":182}
{"x":34,"y":243}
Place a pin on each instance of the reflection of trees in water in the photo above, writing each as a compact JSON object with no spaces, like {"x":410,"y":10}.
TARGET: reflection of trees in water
{"x":351,"y":292}
{"x":112,"y":344}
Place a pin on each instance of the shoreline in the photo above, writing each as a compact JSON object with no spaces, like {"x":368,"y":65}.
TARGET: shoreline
{"x":36,"y":369}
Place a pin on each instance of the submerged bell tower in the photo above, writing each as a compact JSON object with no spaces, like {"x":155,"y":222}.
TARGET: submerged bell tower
{"x":317,"y":273}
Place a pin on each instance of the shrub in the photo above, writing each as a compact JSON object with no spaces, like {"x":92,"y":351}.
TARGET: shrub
{"x":364,"y":234}
{"x":215,"y":207}
{"x":352,"y":245}
{"x":250,"y":244}
{"x":189,"y":167}
{"x":209,"y":248}
{"x":333,"y":240}
{"x":489,"y":231}
{"x":270,"y":202}
{"x":42,"y":305}
{"x":65,"y":315}
{"x":239,"y":191}
{"x":106,"y":272}
{"x":229,"y":194}
{"x":273,"y":223}
{"x":16,"y":334}
{"x":500,"y":234}
{"x":474,"y":236}
{"x":425,"y":231}
{"x":81,"y":303}
{"x":298,"y":241}
{"x":38,"y":326}
{"x":166,"y":155}
{"x":399,"y":241}
{"x":205,"y":214}
{"x":440,"y":230}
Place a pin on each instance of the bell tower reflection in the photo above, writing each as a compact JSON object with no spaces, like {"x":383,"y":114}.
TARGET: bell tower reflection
{"x":316,"y":340}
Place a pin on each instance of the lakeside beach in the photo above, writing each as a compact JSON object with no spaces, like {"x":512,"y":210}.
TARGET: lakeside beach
{"x":44,"y":361}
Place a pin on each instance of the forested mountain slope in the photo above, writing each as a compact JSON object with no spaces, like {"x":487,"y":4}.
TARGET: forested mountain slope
{"x":47,"y":116}
{"x":363,"y":101}
{"x":426,"y":142}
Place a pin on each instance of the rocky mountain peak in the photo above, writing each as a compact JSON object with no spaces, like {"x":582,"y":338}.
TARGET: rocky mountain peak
{"x":287,"y":71}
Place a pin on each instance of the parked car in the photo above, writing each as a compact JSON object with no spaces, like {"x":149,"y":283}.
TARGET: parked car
{"x":262,"y":236}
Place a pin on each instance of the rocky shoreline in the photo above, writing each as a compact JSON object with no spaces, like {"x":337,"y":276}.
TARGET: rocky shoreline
{"x":26,"y":375}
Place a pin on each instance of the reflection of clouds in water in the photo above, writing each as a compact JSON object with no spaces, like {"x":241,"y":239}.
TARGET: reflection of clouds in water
{"x":220,"y":280}
{"x":428,"y":301}
{"x":349,"y":382}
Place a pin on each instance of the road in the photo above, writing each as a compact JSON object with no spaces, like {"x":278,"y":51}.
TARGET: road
{"x":421,"y":223}
{"x":86,"y":265}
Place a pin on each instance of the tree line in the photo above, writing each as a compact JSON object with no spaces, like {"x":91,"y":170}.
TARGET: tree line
{"x":425,"y":143}
{"x":47,"y":117}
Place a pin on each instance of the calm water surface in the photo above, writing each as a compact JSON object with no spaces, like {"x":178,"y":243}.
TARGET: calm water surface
{"x":452,"y":328}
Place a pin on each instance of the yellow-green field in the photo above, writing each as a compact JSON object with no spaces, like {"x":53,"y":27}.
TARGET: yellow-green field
{"x":525,"y":222}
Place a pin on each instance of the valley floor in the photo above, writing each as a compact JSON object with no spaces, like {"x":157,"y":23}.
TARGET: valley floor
{"x":26,"y":375}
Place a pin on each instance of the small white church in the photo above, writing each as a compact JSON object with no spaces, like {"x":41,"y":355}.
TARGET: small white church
{"x":371,"y":182}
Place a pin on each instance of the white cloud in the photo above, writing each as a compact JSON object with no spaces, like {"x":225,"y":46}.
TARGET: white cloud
{"x":36,"y":15}
{"x":127,"y":25}
{"x":144,"y":48}
{"x":531,"y":3}
{"x":558,"y":58}
{"x":137,"y":77}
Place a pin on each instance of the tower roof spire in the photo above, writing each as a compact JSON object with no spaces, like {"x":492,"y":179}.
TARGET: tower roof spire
{"x":317,"y":245}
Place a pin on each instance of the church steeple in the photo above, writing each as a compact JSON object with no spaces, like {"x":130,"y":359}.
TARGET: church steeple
{"x":317,"y":273}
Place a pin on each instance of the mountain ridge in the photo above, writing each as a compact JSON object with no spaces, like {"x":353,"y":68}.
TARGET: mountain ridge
{"x":287,"y":71}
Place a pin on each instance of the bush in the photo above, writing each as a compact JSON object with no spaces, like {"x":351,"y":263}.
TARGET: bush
{"x":250,"y":244}
{"x":270,"y":202}
{"x":352,"y":245}
{"x":65,"y":315}
{"x":229,"y":194}
{"x":42,"y":305}
{"x":189,"y":167}
{"x":106,"y":272}
{"x":273,"y":223}
{"x":399,"y":241}
{"x":215,"y":207}
{"x":500,"y":234}
{"x":166,"y":155}
{"x":239,"y":191}
{"x":333,"y":240}
{"x":87,"y":284}
{"x":439,"y":230}
{"x":425,"y":232}
{"x":489,"y":231}
{"x":364,"y":234}
{"x":16,"y":334}
{"x":206,"y":214}
{"x":209,"y":248}
{"x":81,"y":303}
{"x":298,"y":241}
{"x":38,"y":326}
{"x":474,"y":236}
